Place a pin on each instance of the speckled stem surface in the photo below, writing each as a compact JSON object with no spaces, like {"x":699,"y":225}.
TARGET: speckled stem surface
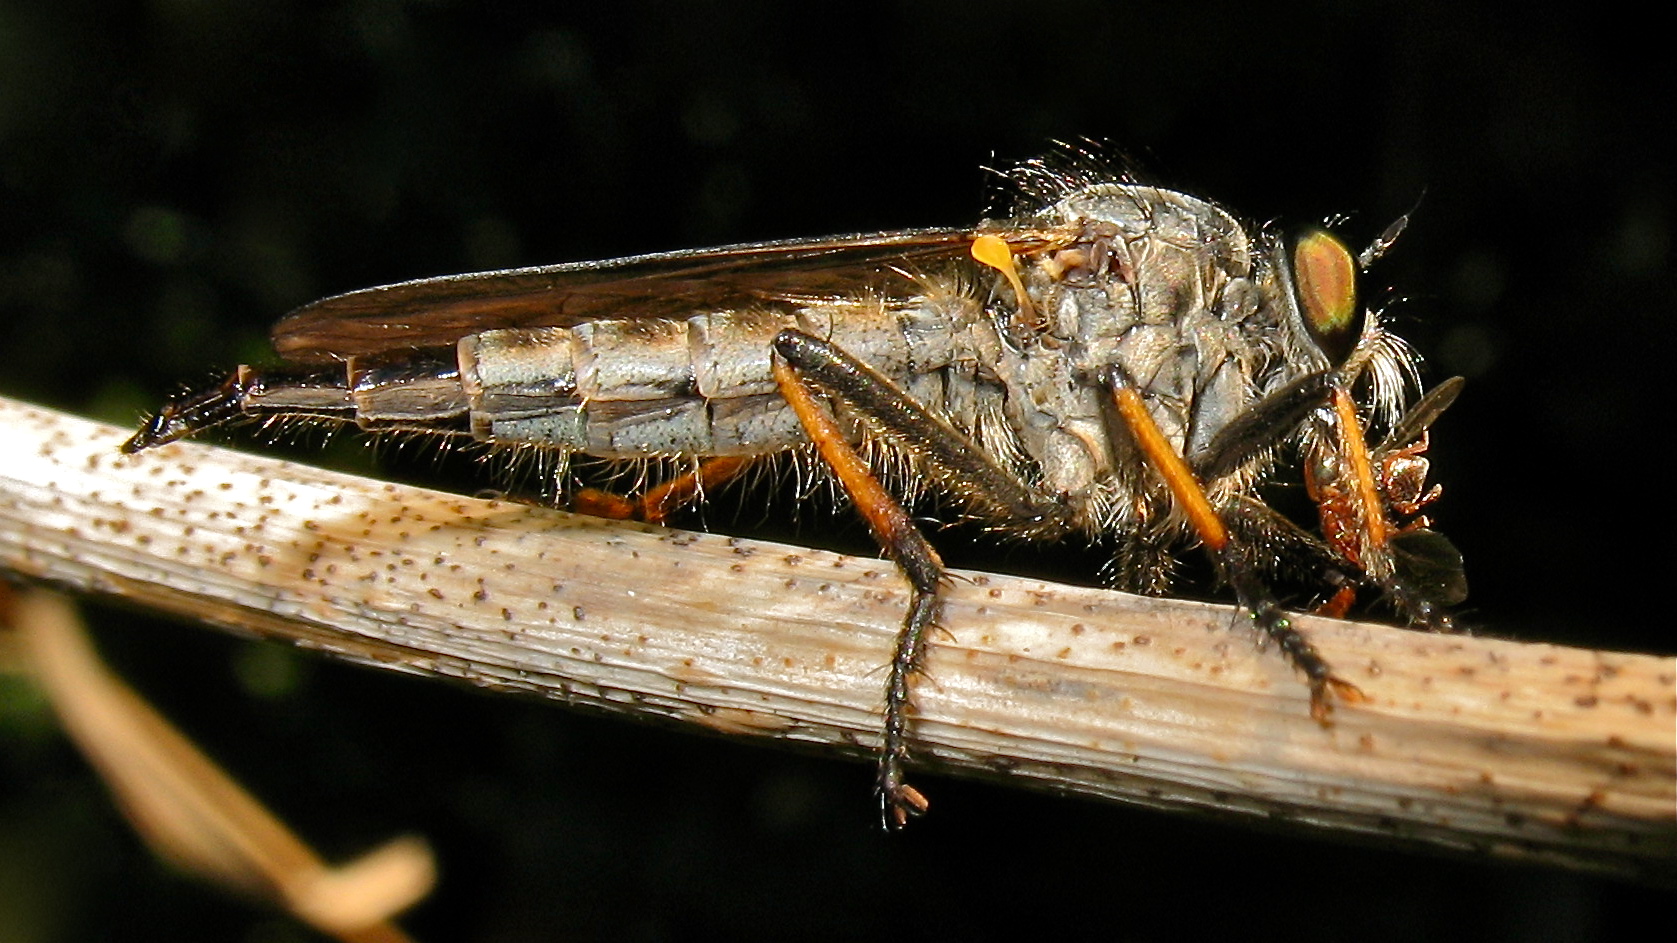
{"x":1523,"y":751}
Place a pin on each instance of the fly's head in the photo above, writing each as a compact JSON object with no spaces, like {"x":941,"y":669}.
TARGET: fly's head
{"x":1417,"y":568}
{"x":1326,"y":326}
{"x":1320,"y":278}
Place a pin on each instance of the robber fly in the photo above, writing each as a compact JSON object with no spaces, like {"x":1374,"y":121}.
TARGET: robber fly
{"x":1111,"y":360}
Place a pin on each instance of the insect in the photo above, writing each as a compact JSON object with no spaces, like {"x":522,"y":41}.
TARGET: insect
{"x":1111,"y":360}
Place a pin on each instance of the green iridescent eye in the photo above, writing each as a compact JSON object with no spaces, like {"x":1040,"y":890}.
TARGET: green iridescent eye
{"x":1325,"y":286}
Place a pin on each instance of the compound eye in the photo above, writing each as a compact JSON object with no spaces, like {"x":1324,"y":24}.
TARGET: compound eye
{"x":1325,"y":287}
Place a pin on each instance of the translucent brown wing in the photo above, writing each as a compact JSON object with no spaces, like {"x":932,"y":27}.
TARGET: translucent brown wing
{"x":436,"y":312}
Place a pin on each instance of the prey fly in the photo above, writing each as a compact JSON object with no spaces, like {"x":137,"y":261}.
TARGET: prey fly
{"x":1109,"y":360}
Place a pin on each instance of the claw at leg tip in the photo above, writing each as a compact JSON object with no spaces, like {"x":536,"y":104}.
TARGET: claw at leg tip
{"x":902,"y":803}
{"x":913,"y":798}
{"x":1325,"y":691}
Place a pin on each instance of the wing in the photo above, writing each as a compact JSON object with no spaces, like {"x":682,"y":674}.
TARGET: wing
{"x":436,"y":312}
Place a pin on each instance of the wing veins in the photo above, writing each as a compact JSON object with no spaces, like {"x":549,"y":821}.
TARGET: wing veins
{"x":437,"y":312}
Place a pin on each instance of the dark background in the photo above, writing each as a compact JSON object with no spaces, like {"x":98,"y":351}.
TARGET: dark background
{"x":174,"y":176}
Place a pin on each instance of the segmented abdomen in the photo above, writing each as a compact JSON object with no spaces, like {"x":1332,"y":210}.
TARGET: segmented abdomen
{"x":626,"y":388}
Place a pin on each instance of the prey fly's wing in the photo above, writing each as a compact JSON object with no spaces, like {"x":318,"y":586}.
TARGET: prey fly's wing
{"x":436,"y":312}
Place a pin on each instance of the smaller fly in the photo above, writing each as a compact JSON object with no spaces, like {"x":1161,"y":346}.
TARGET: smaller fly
{"x":1112,"y":361}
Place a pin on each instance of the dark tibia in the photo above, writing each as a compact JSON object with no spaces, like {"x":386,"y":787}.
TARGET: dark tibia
{"x":1262,"y":425}
{"x":947,"y":453}
{"x":1420,"y":417}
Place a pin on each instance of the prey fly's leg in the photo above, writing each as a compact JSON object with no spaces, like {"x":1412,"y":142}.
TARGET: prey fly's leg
{"x":804,"y":366}
{"x":1430,"y":577}
{"x":1416,"y":568}
{"x":1230,"y":556}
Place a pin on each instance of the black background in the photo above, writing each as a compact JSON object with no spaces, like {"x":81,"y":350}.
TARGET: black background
{"x":174,"y":176}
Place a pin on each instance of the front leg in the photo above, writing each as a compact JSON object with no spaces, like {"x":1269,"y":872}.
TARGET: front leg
{"x":1230,"y":555}
{"x":805,"y":365}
